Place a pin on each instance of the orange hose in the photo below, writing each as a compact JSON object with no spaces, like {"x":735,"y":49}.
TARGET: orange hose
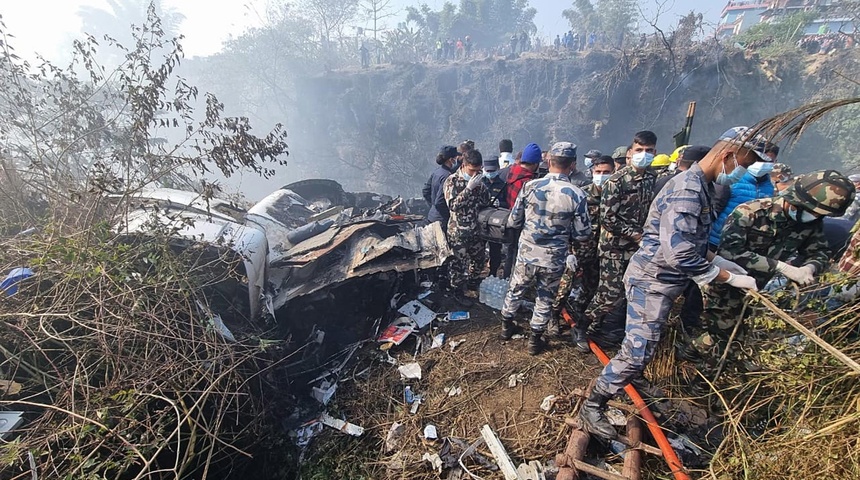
{"x":675,"y":465}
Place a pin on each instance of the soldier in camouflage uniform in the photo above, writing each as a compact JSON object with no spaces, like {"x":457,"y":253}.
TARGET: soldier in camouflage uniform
{"x":674,"y":251}
{"x":465,"y":194}
{"x":553,"y":214}
{"x":585,"y":274}
{"x":763,"y":235}
{"x":623,"y":208}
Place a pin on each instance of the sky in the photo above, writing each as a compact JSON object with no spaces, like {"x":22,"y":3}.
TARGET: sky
{"x":208,"y":23}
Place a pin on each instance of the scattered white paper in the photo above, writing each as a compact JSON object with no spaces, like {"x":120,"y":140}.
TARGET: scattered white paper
{"x":435,"y":461}
{"x":430,"y":432}
{"x":438,"y":340}
{"x":515,"y":379}
{"x":453,"y":391}
{"x":548,"y":401}
{"x":410,"y":370}
{"x":456,"y":343}
{"x":418,"y":312}
{"x":341,"y":425}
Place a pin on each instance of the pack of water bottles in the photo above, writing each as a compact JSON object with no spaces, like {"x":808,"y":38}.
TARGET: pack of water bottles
{"x":492,"y":292}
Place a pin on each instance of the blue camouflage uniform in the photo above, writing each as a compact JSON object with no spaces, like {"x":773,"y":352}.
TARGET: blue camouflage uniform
{"x":553,"y":214}
{"x":674,"y":250}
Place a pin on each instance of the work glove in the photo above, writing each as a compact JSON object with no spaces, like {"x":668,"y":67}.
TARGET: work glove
{"x":801,"y":275}
{"x":728,"y":265}
{"x":475,"y":182}
{"x":744,"y":282}
{"x":571,"y":262}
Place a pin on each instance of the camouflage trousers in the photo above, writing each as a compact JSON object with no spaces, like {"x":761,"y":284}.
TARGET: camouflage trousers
{"x":609,"y":294}
{"x":586,"y":277}
{"x":468,"y":257}
{"x":546,"y":279}
{"x":648,"y":307}
{"x":723,"y":306}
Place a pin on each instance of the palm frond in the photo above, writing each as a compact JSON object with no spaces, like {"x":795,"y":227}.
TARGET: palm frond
{"x":789,"y":126}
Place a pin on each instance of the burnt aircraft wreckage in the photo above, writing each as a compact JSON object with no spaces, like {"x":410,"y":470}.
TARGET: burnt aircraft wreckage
{"x":299,"y":240}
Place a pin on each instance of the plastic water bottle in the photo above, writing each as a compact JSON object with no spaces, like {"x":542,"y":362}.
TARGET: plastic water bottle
{"x":482,"y":291}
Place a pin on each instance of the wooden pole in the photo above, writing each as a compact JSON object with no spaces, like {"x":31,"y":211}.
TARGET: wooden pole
{"x":838,"y":354}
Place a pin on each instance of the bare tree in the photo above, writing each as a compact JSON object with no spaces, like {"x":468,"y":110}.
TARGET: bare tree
{"x":376,"y":11}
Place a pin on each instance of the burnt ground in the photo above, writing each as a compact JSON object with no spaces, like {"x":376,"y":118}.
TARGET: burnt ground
{"x":481,"y":366}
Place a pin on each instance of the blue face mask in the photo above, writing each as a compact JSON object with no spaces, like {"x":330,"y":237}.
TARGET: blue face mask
{"x":734,"y":177}
{"x":760,"y":169}
{"x":588,"y":162}
{"x":805,"y":217}
{"x":641,"y":159}
{"x":465,"y":175}
{"x":491,"y":175}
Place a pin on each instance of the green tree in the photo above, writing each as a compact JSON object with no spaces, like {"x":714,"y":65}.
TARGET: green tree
{"x":617,"y":18}
{"x":488,"y":22}
{"x":783,"y":34}
{"x":582,"y":16}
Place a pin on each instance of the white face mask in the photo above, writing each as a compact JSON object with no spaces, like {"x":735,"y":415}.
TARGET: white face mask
{"x":805,"y":217}
{"x":600,"y":178}
{"x":641,"y":159}
{"x":673,"y":166}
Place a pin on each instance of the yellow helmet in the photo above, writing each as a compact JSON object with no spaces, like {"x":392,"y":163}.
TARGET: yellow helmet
{"x":661,"y":160}
{"x":677,"y":153}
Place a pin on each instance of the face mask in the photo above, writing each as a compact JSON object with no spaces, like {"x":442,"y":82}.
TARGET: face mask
{"x":491,"y":175}
{"x":734,"y":177}
{"x":760,"y":169}
{"x":465,"y":175}
{"x":600,"y":178}
{"x":641,"y":159}
{"x":805,"y":217}
{"x":673,"y":167}
{"x":588,"y":162}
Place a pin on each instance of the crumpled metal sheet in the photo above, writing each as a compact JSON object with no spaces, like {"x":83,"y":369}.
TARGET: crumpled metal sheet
{"x":354,"y":251}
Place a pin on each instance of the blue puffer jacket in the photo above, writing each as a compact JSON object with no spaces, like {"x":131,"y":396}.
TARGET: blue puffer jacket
{"x":748,"y":188}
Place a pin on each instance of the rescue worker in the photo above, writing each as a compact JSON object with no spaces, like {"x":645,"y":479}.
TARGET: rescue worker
{"x":587,"y":272}
{"x":681,"y":162}
{"x":853,"y":212}
{"x":553,"y":216}
{"x":589,"y":159}
{"x":620,"y":156}
{"x":769,"y":236}
{"x":674,"y":251}
{"x":496,"y":188}
{"x":691,"y":311}
{"x":660,"y":164}
{"x":465,"y":194}
{"x":780,"y":176}
{"x":577,"y":176}
{"x":519,"y":175}
{"x":432,"y":191}
{"x":624,"y":205}
{"x":506,"y":153}
{"x":755,"y":184}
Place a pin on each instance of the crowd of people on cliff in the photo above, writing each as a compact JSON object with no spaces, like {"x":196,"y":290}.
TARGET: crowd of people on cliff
{"x":606,"y":248}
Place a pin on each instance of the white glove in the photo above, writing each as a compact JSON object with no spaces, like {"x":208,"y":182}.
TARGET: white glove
{"x":728,"y":265}
{"x":800,"y":275}
{"x":744,"y":282}
{"x":571,"y":262}
{"x":475,"y":181}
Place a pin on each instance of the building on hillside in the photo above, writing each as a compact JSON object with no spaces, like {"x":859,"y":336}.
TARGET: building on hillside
{"x":739,"y":15}
{"x":831,"y":18}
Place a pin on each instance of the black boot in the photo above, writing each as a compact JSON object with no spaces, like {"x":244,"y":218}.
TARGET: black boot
{"x":593,"y":416}
{"x":509,"y":328}
{"x":461,"y":299}
{"x":580,"y":341}
{"x":647,"y":390}
{"x":536,"y":342}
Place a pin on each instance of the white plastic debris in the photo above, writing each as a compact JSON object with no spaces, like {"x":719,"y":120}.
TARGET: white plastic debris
{"x":435,"y":461}
{"x":456,"y":343}
{"x":410,"y":370}
{"x":515,"y":379}
{"x":518,"y":336}
{"x":547,"y":403}
{"x":392,"y":440}
{"x":324,"y":392}
{"x":430,"y":432}
{"x":438,"y":340}
{"x":453,"y":391}
{"x":225,"y":332}
{"x":341,"y":425}
{"x":418,"y":312}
